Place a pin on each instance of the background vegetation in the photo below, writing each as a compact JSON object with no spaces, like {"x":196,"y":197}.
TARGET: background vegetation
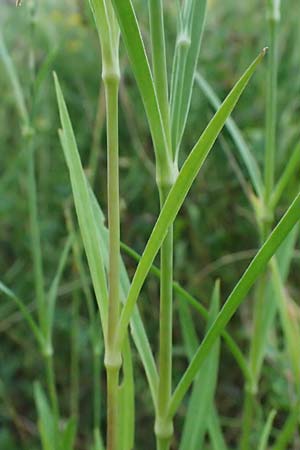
{"x":215,"y":233}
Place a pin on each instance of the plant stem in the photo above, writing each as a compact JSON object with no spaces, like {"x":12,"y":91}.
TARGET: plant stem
{"x":164,"y":425}
{"x":35,"y":239}
{"x":74,"y":365}
{"x":271,"y":110}
{"x":97,"y":387}
{"x":113,"y":356}
{"x":50,"y":374}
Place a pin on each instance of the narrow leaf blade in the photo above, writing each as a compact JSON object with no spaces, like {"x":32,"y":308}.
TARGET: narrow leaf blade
{"x":180,"y":189}
{"x":88,"y":225}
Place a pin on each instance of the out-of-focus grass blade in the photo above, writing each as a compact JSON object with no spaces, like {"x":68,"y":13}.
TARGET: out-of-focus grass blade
{"x":215,"y":431}
{"x":283,"y":256}
{"x":190,"y":338}
{"x":179,"y":191}
{"x":254,"y":270}
{"x":237,"y":137}
{"x":201,"y":400}
{"x":68,"y":435}
{"x":44,"y":70}
{"x":184,"y":66}
{"x":263,"y":442}
{"x":52,"y":295}
{"x":288,"y":431}
{"x":140,"y":65}
{"x":98,"y":445}
{"x":12,"y":73}
{"x":25,"y":312}
{"x":289,"y":324}
{"x":289,"y":171}
{"x":87,"y":223}
{"x":136,"y":324}
{"x":188,"y":331}
{"x":46,"y":422}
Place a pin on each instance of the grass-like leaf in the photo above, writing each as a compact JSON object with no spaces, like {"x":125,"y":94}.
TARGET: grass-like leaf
{"x":184,"y":66}
{"x":25,"y":312}
{"x":201,"y":400}
{"x":254,"y":270}
{"x":52,"y":295}
{"x":263,"y":442}
{"x":179,"y":191}
{"x":136,"y":324}
{"x":14,"y":79}
{"x":87,"y":223}
{"x":237,"y":137}
{"x":140,"y":65}
{"x":189,"y":335}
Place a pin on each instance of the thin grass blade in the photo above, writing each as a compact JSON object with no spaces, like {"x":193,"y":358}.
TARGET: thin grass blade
{"x":46,"y":423}
{"x":179,"y":191}
{"x":184,"y":66}
{"x":52,"y":295}
{"x":136,"y":324}
{"x":201,"y":401}
{"x":25,"y":312}
{"x":237,"y":137}
{"x":87,"y":223}
{"x":215,"y":431}
{"x":263,"y":442}
{"x":254,"y":270}
{"x":289,"y":171}
{"x":190,"y":339}
{"x":14,"y":79}
{"x":140,"y":65}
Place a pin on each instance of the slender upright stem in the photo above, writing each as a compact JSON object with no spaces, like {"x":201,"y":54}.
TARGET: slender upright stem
{"x":74,"y":364}
{"x":271,"y":110}
{"x":50,"y":374}
{"x":35,"y":238}
{"x":113,"y":357}
{"x":164,"y":425}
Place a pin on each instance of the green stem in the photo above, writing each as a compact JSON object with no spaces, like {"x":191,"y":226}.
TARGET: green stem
{"x":50,"y":375}
{"x":184,"y":295}
{"x":97,"y":385}
{"x":248,"y":411}
{"x":74,"y":398}
{"x":36,"y":240}
{"x":271,"y":110}
{"x":164,"y":425}
{"x":113,"y":359}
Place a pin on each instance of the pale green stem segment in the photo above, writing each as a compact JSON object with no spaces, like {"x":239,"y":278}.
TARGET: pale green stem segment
{"x":271,"y":110}
{"x":178,"y":193}
{"x":108,"y":31}
{"x":163,"y":425}
{"x":254,"y":270}
{"x":113,"y":360}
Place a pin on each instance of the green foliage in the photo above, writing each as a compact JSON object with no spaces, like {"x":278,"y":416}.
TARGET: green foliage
{"x":220,"y":230}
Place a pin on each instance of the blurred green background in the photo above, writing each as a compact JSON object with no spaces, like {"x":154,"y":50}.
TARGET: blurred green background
{"x":215,"y":232}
